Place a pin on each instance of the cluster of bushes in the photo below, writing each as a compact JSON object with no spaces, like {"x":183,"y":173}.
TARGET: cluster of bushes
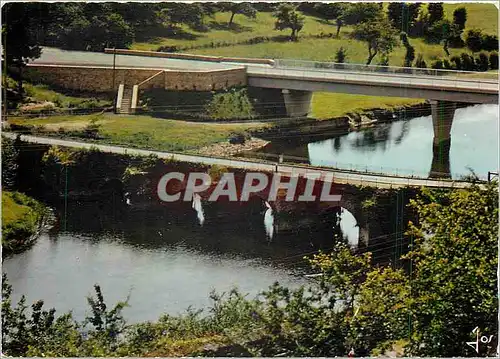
{"x":466,"y":62}
{"x":234,"y":103}
{"x":228,"y":104}
{"x":477,"y":41}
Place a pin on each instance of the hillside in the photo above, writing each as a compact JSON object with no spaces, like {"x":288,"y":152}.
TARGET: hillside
{"x":228,"y":41}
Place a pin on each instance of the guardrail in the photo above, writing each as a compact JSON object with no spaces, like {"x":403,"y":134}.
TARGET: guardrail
{"x":322,"y":66}
{"x":488,"y":90}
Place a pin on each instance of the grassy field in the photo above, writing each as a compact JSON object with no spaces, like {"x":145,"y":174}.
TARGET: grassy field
{"x":480,"y":16}
{"x":145,"y":131}
{"x":243,"y":28}
{"x":327,"y":105}
{"x":483,"y":16}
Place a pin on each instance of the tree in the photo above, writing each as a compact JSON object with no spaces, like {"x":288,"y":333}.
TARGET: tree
{"x":395,"y":14}
{"x":474,"y":40}
{"x":10,"y":156}
{"x":355,"y":13}
{"x":436,"y":12}
{"x":379,"y":35}
{"x":340,"y":55}
{"x":489,"y":43}
{"x":19,"y":37}
{"x":454,"y":270}
{"x":328,"y":11}
{"x":242,"y":8}
{"x":460,"y":17}
{"x":288,"y":18}
{"x":482,"y":62}
{"x":410,"y":50}
{"x":420,"y":62}
{"x":494,"y":61}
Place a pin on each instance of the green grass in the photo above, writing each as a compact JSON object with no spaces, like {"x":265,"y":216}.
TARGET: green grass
{"x":12,"y":209}
{"x":20,"y":217}
{"x":243,"y":29}
{"x":145,"y":131}
{"x":325,"y":49}
{"x":483,"y":16}
{"x":42,"y":93}
{"x":328,"y":105}
{"x":480,"y":16}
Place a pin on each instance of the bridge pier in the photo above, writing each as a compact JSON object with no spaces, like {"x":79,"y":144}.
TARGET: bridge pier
{"x":297,"y":102}
{"x":442,"y":120}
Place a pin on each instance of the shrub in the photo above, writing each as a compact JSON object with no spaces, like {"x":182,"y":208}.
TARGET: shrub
{"x":340,"y":55}
{"x":457,"y":61}
{"x":447,"y":65}
{"x":92,"y":129}
{"x":474,"y":40}
{"x":420,"y":62}
{"x":438,"y":64}
{"x":467,"y":62}
{"x":482,"y":62}
{"x":494,"y":61}
{"x":489,"y":43}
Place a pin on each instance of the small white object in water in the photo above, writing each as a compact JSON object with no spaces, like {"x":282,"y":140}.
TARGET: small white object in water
{"x":198,"y":208}
{"x":269,"y":221}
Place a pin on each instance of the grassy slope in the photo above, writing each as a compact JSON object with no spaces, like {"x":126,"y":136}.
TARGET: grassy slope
{"x":327,"y":105}
{"x":43,"y":93}
{"x":146,"y":131}
{"x":481,"y":16}
{"x":20,"y":217}
{"x":244,"y":28}
{"x":11,"y":210}
{"x":484,"y":16}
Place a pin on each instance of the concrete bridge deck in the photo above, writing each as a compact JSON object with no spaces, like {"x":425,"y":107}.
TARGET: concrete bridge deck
{"x":307,"y":76}
{"x":340,"y":176}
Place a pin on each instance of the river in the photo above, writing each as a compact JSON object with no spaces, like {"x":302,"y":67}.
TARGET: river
{"x":404,"y":146}
{"x":166,"y":260}
{"x":170,"y":258}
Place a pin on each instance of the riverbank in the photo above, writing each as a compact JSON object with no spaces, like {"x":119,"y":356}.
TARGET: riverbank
{"x":22,"y":220}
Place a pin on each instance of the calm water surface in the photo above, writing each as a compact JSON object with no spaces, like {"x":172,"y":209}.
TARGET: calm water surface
{"x":405,"y":146}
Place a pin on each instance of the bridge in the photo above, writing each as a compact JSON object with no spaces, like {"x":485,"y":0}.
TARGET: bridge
{"x":290,"y":82}
{"x":340,"y":176}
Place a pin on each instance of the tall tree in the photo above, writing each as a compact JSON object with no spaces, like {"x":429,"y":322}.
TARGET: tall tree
{"x":243,"y":8}
{"x":328,"y":11}
{"x":379,"y":36}
{"x":436,"y":12}
{"x":19,"y":36}
{"x":355,"y":13}
{"x":287,"y":17}
{"x":395,"y":14}
{"x":410,"y":50}
{"x":460,"y":17}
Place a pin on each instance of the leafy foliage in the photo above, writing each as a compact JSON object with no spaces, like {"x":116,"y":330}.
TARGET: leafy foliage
{"x":454,"y":276}
{"x":427,"y":308}
{"x":243,"y":8}
{"x":287,"y":17}
{"x":379,"y":36}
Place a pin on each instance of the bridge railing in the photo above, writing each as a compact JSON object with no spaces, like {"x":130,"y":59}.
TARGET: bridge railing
{"x":356,"y":168}
{"x":333,"y":66}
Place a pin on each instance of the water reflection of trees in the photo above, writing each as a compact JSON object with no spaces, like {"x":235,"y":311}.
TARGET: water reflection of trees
{"x":372,"y":138}
{"x":404,"y":131}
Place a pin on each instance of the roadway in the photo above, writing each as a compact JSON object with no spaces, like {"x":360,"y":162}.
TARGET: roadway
{"x":307,"y":79}
{"x":340,"y":176}
{"x":67,"y":57}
